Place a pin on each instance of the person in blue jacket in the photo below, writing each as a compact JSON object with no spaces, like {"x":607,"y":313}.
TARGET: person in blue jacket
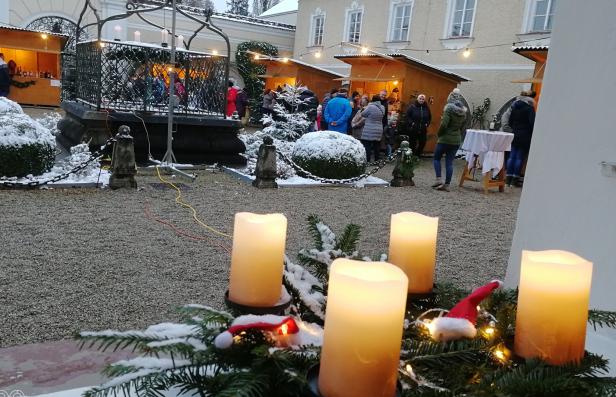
{"x":338,"y":112}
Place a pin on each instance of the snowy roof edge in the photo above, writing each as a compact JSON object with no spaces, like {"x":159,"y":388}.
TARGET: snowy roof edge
{"x":12,"y":27}
{"x":415,"y":60}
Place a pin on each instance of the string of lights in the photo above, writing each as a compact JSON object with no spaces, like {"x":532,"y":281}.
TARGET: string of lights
{"x":466,"y":52}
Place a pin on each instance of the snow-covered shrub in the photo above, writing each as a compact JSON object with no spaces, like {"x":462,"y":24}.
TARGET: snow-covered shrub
{"x":79,"y":154}
{"x":50,"y":121}
{"x":26,"y":147}
{"x":330,"y":154}
{"x":253,"y":141}
{"x":289,"y":121}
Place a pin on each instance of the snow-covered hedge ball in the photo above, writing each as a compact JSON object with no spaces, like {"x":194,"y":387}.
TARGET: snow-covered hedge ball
{"x":330,"y":154}
{"x":26,"y":147}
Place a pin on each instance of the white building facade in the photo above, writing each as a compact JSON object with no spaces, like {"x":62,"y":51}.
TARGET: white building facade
{"x":435,"y":31}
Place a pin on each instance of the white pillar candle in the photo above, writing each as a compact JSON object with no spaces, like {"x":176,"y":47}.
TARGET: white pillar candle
{"x":118,"y":32}
{"x":164,"y":36}
{"x":412,"y":247}
{"x":363,"y":329}
{"x":180,"y":42}
{"x":257,"y":259}
{"x":137,"y":36}
{"x":553,"y":298}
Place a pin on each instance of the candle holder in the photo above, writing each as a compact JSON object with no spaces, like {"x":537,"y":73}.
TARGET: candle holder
{"x":313,"y":383}
{"x":278,"y":309}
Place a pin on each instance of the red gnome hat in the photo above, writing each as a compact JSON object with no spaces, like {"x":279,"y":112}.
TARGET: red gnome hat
{"x":461,"y":319}
{"x":277,"y":325}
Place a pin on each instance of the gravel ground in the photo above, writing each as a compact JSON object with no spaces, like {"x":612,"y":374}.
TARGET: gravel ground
{"x":90,"y":259}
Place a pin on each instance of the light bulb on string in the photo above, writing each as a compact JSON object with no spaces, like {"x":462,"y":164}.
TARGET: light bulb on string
{"x":364,"y":50}
{"x":285,"y":60}
{"x":214,"y":52}
{"x":44,"y":36}
{"x":466,"y":53}
{"x":317,"y":54}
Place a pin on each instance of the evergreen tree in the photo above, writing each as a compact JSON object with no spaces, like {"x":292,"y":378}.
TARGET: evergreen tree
{"x":238,"y":7}
{"x":260,"y":6}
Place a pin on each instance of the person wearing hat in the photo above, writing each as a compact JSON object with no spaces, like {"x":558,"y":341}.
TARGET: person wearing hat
{"x":449,"y":139}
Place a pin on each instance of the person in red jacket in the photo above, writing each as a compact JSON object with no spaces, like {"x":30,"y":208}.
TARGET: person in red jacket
{"x":231,"y":99}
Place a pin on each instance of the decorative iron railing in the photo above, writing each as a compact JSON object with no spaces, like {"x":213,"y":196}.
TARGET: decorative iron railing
{"x":127,"y":76}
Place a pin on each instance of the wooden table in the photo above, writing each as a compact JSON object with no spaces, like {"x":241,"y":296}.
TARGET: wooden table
{"x":486,"y":150}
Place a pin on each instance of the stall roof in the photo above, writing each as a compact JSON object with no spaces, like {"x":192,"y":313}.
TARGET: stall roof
{"x":533,"y":45}
{"x":11,"y":27}
{"x":409,"y":60}
{"x":305,"y":64}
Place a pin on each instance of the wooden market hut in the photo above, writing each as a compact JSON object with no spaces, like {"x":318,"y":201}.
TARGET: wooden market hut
{"x":536,"y":51}
{"x":281,"y":71}
{"x":371,"y":73}
{"x":36,"y":54}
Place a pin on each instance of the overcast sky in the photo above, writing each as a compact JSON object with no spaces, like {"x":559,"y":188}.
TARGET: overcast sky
{"x":221,"y":5}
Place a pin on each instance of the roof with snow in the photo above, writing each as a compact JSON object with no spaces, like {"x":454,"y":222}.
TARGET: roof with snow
{"x":284,"y":7}
{"x":306,"y":64}
{"x":230,"y":17}
{"x":533,"y":45}
{"x":409,"y":60}
{"x":11,"y":27}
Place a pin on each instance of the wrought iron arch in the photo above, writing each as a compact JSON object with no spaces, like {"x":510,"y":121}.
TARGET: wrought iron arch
{"x":58,"y":24}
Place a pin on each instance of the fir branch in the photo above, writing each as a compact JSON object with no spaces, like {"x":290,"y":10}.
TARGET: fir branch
{"x":319,"y":269}
{"x":347,"y":243}
{"x":601,"y":319}
{"x":313,"y":220}
{"x":436,"y":355}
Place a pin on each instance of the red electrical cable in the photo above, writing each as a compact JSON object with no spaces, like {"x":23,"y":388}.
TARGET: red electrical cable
{"x":179,"y":231}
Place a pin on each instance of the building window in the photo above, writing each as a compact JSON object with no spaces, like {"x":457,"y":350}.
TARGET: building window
{"x":317,"y":30}
{"x":543,"y":14}
{"x":462,"y":18}
{"x":401,"y":21}
{"x":354,"y":26}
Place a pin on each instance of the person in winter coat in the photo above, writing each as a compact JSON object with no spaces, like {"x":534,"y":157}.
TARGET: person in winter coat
{"x":372,"y":132}
{"x":358,"y":121}
{"x":269,"y":100}
{"x":329,"y":96}
{"x":418,"y":119}
{"x":521,"y":121}
{"x":385,"y":102}
{"x":449,"y":140}
{"x":338,"y":112}
{"x":241,"y":104}
{"x":5,"y":79}
{"x":231,"y":99}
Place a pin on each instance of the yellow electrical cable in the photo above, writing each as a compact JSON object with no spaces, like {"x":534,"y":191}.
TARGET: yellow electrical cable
{"x":178,"y":199}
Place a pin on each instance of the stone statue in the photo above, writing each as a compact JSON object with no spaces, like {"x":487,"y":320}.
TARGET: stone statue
{"x":123,"y":167}
{"x":405,"y":164}
{"x":266,"y":171}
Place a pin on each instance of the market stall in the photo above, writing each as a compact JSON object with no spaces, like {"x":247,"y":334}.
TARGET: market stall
{"x":404,"y":78}
{"x":536,"y":51}
{"x":281,"y":71}
{"x":34,"y":64}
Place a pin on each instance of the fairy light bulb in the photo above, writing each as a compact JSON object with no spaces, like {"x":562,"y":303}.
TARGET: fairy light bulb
{"x":499,"y":354}
{"x":284,"y":329}
{"x":285,"y":60}
{"x":44,"y":36}
{"x":101,"y":44}
{"x":364,"y":50}
{"x":489,"y":332}
{"x":317,"y":54}
{"x":214,"y":52}
{"x":466,"y":53}
{"x":257,"y":57}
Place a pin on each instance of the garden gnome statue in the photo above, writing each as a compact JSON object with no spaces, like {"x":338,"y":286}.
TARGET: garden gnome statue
{"x":405,"y":164}
{"x":123,"y":168}
{"x":265,"y":171}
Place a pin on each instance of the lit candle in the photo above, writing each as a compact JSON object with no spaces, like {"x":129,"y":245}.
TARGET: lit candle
{"x":164,"y":36}
{"x":118,"y":32}
{"x":180,"y":42}
{"x":363,"y":329}
{"x":553,"y":300}
{"x":257,"y":259}
{"x":412,"y":247}
{"x":137,"y":36}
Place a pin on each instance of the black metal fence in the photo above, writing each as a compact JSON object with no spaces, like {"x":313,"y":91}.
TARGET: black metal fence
{"x":135,"y":77}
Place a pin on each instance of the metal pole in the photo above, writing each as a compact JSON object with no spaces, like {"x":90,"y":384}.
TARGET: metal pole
{"x":169,"y":158}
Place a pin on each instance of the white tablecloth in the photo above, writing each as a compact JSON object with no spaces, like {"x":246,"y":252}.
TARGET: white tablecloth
{"x":489,"y":146}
